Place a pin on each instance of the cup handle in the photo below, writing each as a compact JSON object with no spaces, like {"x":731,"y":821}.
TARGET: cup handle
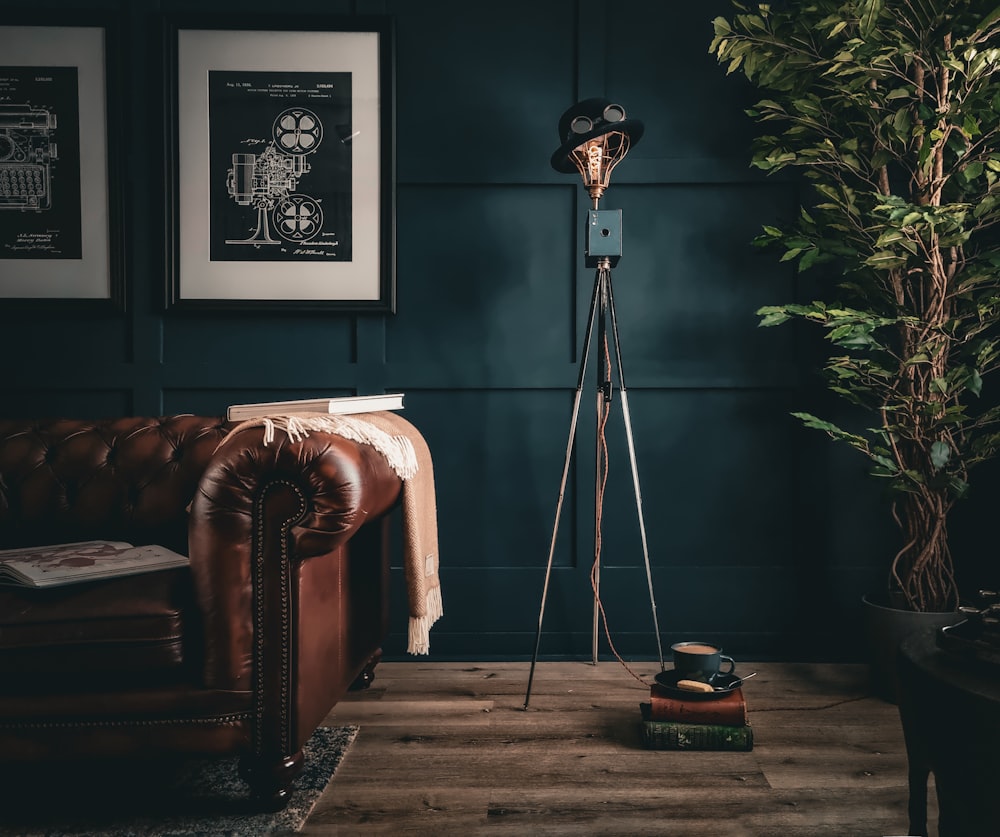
{"x":731,"y":661}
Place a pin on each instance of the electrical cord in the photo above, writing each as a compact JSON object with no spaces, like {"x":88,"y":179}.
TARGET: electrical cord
{"x":602,"y":482}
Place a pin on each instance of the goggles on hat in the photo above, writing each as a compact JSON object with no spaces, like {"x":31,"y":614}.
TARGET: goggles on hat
{"x":583,"y":124}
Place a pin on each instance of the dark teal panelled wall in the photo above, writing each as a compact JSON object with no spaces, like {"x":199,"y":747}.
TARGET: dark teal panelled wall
{"x":493,"y":297}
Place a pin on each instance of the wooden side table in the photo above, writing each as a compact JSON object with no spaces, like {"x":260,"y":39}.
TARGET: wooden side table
{"x":950,"y":711}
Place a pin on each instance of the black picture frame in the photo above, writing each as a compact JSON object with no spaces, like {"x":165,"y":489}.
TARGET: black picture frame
{"x":70,"y":62}
{"x":280,"y":163}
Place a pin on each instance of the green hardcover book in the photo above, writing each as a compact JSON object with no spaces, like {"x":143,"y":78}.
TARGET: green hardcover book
{"x":677,"y":735}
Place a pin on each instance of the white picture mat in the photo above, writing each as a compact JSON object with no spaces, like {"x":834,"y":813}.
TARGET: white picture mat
{"x":202,"y":51}
{"x":82,"y":47}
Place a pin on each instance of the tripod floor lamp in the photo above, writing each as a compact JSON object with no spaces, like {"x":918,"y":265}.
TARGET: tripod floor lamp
{"x":595,"y":136}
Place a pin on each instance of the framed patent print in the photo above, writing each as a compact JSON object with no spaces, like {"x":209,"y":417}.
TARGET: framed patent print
{"x":60,"y":231}
{"x":280,"y":163}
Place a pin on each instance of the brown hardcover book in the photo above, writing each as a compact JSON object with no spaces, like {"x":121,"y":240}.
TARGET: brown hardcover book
{"x":730,"y":709}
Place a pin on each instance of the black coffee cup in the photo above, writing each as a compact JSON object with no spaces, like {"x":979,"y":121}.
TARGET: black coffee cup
{"x":700,"y":661}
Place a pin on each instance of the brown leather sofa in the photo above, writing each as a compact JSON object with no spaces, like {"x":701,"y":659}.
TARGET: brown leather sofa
{"x":282,"y":609}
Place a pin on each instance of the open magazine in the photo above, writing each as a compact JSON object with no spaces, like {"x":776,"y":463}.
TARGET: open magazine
{"x":71,"y":563}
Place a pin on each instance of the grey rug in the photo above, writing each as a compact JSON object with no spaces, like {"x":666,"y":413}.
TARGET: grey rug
{"x":186,"y":799}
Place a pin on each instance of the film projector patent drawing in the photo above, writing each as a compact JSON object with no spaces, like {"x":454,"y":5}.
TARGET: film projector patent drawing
{"x":268,"y":181}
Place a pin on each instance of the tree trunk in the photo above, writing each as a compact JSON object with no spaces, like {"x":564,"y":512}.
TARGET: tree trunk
{"x":922,"y":572}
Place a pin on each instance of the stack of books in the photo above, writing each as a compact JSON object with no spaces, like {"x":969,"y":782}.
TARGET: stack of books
{"x":670,"y":722}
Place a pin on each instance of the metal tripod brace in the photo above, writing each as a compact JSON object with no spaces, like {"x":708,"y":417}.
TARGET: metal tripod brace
{"x":604,"y":238}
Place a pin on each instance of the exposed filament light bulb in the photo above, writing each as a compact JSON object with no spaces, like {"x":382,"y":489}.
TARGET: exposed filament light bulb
{"x":596,"y":158}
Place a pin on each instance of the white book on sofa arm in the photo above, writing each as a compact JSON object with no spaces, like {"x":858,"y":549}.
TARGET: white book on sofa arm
{"x":334,"y":406}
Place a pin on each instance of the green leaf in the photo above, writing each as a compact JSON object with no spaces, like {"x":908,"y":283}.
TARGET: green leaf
{"x":774,"y":318}
{"x":975,"y":383}
{"x":870,"y":10}
{"x":940,"y":454}
{"x":721,"y":26}
{"x":958,"y":486}
{"x":985,"y":206}
{"x":889,"y":466}
{"x":885,"y":259}
{"x":840,"y":27}
{"x":809,"y":259}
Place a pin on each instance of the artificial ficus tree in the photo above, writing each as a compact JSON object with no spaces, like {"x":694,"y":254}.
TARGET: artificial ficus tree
{"x":890,"y":109}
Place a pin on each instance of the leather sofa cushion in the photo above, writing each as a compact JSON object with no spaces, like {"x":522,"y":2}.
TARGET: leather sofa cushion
{"x":131,"y":627}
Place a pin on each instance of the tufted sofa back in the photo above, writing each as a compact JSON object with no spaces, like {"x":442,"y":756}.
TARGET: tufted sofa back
{"x":128,"y":479}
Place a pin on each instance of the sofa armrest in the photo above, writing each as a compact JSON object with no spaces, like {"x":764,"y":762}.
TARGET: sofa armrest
{"x":258,"y":510}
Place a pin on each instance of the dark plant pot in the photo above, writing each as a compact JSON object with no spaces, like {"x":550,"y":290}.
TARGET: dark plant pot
{"x":885,"y":628}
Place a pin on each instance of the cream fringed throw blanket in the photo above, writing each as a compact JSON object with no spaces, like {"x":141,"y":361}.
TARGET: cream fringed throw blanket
{"x":407,"y":453}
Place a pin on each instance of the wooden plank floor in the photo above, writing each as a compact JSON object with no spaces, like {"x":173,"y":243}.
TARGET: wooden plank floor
{"x":448,"y":749}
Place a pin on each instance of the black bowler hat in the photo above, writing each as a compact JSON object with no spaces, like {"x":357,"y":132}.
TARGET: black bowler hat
{"x":586,"y":120}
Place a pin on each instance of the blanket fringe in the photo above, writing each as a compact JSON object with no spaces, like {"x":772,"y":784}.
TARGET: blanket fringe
{"x":397,"y":450}
{"x":420,"y":626}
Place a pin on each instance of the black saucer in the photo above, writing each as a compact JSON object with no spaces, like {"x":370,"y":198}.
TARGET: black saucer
{"x":723,"y":684}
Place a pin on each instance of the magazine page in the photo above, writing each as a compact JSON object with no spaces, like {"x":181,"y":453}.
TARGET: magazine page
{"x":43,"y":566}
